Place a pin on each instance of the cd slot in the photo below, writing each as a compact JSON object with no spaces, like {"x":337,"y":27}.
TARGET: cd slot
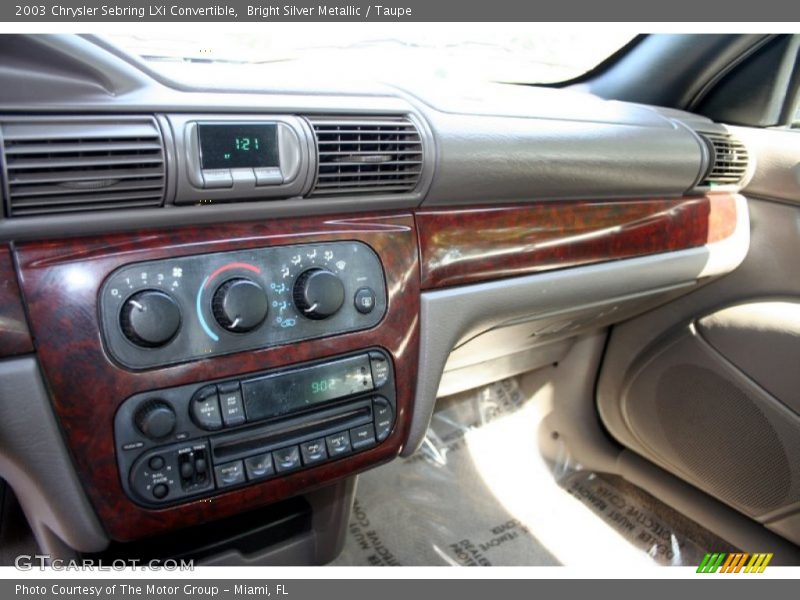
{"x":276,"y":435}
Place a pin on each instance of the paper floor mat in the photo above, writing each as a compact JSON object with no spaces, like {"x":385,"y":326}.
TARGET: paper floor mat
{"x":479,"y":493}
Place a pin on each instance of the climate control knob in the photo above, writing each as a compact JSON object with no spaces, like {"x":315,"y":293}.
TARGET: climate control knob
{"x":150,"y":318}
{"x":240,"y":305}
{"x":318,"y":293}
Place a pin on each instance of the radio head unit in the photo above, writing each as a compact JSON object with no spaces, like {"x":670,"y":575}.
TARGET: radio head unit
{"x":195,"y":440}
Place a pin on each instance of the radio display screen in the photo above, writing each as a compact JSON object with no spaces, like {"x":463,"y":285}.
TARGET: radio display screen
{"x":238,"y":145}
{"x":284,"y":393}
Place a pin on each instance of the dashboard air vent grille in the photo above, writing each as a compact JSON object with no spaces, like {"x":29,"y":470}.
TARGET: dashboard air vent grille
{"x":381,"y":155}
{"x":729,"y":160}
{"x":59,"y":165}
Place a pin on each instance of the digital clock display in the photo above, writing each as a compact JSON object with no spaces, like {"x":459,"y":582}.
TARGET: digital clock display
{"x":238,"y":145}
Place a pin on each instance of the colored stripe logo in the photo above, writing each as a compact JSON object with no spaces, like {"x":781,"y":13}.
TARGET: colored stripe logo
{"x":737,"y":562}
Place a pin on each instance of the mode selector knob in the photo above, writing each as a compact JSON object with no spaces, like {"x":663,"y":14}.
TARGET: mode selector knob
{"x":318,"y":293}
{"x":240,"y":305}
{"x":155,"y":419}
{"x":150,"y":318}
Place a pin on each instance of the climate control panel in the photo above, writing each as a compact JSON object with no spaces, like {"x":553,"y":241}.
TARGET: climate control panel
{"x":179,"y":443}
{"x":175,"y":310}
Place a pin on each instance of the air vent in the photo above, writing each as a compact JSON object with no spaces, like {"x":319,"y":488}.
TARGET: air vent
{"x":59,"y":165}
{"x":367,"y":155}
{"x":729,"y":160}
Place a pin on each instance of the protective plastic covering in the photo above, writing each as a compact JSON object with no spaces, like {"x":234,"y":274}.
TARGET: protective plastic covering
{"x":479,"y":493}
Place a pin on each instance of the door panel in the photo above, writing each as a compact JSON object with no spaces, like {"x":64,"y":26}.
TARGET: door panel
{"x":762,"y":339}
{"x":706,"y":385}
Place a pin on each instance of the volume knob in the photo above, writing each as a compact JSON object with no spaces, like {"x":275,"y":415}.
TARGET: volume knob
{"x":150,"y":318}
{"x":318,"y":293}
{"x":155,"y":419}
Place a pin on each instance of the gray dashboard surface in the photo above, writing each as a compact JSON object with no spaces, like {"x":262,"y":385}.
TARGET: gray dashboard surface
{"x":491,"y":144}
{"x":501,"y":159}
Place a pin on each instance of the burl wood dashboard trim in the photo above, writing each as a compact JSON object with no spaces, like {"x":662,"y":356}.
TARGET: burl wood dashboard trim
{"x":61,"y":283}
{"x":15,"y":338}
{"x":468,"y":245}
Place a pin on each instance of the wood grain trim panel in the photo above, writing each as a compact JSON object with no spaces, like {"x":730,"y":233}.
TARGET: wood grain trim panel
{"x":469,"y":245}
{"x":15,"y":338}
{"x":61,"y":283}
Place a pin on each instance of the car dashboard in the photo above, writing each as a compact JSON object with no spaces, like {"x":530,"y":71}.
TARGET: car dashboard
{"x":228,"y":301}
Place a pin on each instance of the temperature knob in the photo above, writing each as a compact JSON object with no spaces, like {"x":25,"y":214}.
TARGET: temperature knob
{"x":240,"y":305}
{"x":318,"y":293}
{"x":150,"y":318}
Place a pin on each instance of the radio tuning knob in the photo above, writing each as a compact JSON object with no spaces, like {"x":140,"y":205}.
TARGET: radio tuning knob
{"x":318,"y":293}
{"x":155,"y":419}
{"x":240,"y":305}
{"x":150,"y":318}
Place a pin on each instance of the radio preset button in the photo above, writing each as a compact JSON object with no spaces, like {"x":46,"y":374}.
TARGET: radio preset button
{"x":286,"y":459}
{"x":380,"y":369}
{"x":338,"y":444}
{"x":384,"y":419}
{"x":259,"y":466}
{"x":313,"y":451}
{"x":230,"y":401}
{"x":229,"y":474}
{"x":205,"y":409}
{"x":362,"y":437}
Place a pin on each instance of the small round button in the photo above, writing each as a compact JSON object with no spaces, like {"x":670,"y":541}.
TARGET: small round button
{"x":156,"y":463}
{"x":364,"y":300}
{"x":160,"y":491}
